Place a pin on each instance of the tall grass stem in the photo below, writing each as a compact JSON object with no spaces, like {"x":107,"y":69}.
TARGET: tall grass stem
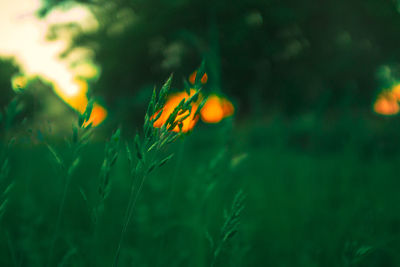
{"x":129,"y":212}
{"x":58,"y":222}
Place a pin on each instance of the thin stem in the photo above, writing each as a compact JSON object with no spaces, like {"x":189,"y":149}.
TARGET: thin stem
{"x":216,"y":253}
{"x":172,"y":189}
{"x":12,"y":250}
{"x":95,"y":233}
{"x":128,"y":216}
{"x":59,"y":216}
{"x":176,"y":172}
{"x":131,"y":194}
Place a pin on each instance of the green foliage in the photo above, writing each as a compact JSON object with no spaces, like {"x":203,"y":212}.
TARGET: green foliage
{"x":231,"y":225}
{"x":8,"y":69}
{"x":4,"y":171}
{"x":325,"y":202}
{"x":111,"y":156}
{"x":112,"y":149}
{"x":321,"y":185}
{"x":6,"y":186}
{"x":149,"y":151}
{"x":66,"y":168}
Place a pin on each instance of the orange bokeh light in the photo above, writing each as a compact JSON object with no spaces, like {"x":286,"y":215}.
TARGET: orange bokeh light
{"x":386,"y":104}
{"x":172,"y":102}
{"x":396,"y":92}
{"x":97,"y":116}
{"x":216,"y":108}
{"x":79,"y":102}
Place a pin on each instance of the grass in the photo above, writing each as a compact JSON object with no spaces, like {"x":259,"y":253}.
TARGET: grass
{"x":6,"y":119}
{"x":230,"y":226}
{"x":66,"y":167}
{"x":276,"y":191}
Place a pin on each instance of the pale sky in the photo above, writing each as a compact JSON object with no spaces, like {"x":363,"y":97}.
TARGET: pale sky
{"x":22,"y":36}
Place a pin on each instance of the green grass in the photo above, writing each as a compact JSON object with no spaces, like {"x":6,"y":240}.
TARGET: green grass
{"x":300,"y":191}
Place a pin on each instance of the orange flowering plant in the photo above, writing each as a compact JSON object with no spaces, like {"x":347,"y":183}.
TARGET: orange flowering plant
{"x":166,"y":119}
{"x":179,"y":112}
{"x":387,"y":102}
{"x":216,"y":108}
{"x":212,"y":109}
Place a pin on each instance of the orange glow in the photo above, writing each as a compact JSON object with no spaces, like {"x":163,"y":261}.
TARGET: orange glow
{"x":216,"y":108}
{"x":192,"y":78}
{"x":97,"y":116}
{"x":79,"y":102}
{"x":227,"y":107}
{"x":172,"y":102}
{"x":386,"y":104}
{"x":396,"y":92}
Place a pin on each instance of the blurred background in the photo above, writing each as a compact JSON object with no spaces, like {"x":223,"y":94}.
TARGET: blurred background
{"x":314,"y":140}
{"x":267,"y":56}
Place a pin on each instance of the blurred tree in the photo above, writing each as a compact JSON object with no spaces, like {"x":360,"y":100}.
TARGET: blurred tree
{"x":7,"y":69}
{"x":289,"y":55}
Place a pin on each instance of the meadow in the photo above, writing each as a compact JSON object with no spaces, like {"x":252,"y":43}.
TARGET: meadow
{"x":274,"y":191}
{"x":275,"y":141}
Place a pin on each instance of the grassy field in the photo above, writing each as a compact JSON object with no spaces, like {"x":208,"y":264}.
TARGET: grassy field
{"x":277,"y":142}
{"x":302,"y":191}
